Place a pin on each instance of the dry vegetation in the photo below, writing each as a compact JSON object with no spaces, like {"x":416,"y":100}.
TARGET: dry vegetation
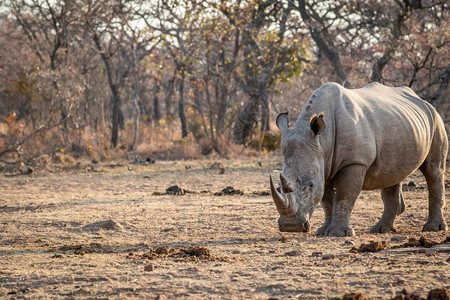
{"x":194,"y":245}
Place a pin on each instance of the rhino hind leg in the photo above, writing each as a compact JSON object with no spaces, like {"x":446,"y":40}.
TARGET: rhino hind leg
{"x":393,"y":205}
{"x":433,"y":168}
{"x":436,"y":197}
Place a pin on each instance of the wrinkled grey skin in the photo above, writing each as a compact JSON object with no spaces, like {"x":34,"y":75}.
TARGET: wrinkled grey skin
{"x":348,"y":140}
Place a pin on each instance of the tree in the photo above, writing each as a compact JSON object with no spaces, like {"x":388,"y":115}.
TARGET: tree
{"x":121,"y":46}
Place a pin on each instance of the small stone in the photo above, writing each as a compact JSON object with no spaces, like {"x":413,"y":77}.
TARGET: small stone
{"x":397,"y":239}
{"x":348,"y":243}
{"x":25,"y":169}
{"x":149,"y":268}
{"x":293,"y":253}
{"x":411,"y":184}
{"x":236,"y":251}
{"x":283,"y":239}
{"x":328,"y":256}
{"x":316,"y":254}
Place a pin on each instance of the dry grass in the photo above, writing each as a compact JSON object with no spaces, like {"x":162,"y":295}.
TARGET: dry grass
{"x":42,"y":216}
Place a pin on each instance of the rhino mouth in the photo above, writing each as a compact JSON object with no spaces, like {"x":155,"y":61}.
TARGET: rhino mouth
{"x":293,"y":225}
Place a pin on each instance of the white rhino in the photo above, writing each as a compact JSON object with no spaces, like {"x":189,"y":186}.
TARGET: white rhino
{"x":348,"y":140}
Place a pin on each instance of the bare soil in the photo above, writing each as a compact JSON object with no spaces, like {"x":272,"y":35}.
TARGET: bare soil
{"x":204,"y":242}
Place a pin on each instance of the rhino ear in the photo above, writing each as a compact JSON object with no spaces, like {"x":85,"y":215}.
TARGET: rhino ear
{"x":317,"y":124}
{"x":283,"y":122}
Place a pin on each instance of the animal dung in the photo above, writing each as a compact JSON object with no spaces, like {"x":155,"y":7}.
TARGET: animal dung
{"x":229,"y":190}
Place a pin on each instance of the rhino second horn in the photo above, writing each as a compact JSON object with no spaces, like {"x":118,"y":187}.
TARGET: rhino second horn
{"x":284,"y":185}
{"x":278,"y":198}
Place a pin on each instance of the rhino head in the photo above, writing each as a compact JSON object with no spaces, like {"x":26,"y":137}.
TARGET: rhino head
{"x":302,"y":177}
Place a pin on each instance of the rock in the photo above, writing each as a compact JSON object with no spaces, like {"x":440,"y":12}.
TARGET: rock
{"x":161,"y":297}
{"x":316,"y":254}
{"x":329,"y":256}
{"x":411,"y":184}
{"x":25,"y":169}
{"x":149,"y":268}
{"x":107,"y":225}
{"x":397,"y":239}
{"x":348,"y":243}
{"x":438,"y":294}
{"x":293,"y":253}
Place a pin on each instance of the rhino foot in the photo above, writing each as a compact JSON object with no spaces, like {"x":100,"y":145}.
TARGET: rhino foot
{"x":321,"y":230}
{"x":382,"y":228}
{"x":435,"y":226}
{"x":339,"y":231}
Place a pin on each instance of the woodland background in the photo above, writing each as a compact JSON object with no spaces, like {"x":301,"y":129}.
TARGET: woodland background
{"x":181,"y":79}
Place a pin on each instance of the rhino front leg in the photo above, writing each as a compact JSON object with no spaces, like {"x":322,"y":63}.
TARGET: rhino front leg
{"x":348,"y":185}
{"x":327,"y":205}
{"x":393,"y":205}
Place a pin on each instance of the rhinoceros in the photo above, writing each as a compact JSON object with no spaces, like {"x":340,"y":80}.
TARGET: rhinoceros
{"x":348,"y":140}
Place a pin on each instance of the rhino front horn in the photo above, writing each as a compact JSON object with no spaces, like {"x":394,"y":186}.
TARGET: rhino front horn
{"x":279,"y":199}
{"x":284,"y":185}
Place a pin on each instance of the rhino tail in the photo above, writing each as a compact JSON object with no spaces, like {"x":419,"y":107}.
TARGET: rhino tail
{"x":401,"y":208}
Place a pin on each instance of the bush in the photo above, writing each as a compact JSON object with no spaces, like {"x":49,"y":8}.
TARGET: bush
{"x":270,"y":141}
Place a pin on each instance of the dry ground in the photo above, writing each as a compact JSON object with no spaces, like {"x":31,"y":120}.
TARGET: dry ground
{"x":45,"y":252}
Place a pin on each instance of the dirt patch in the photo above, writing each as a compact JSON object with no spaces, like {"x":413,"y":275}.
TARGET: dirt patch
{"x":434,"y":294}
{"x":87,"y":249}
{"x":193,"y":253}
{"x":240,"y":251}
{"x":82,"y":249}
{"x":103,"y":225}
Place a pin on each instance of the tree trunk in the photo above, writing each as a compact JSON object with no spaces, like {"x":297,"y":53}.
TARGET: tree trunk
{"x":169,"y":94}
{"x":115,"y":116}
{"x":245,"y":122}
{"x":156,"y":109}
{"x":264,"y":100}
{"x":181,"y":113}
{"x":134,"y":101}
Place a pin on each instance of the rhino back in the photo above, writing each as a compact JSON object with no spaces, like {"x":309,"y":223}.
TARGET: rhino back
{"x":388,"y":130}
